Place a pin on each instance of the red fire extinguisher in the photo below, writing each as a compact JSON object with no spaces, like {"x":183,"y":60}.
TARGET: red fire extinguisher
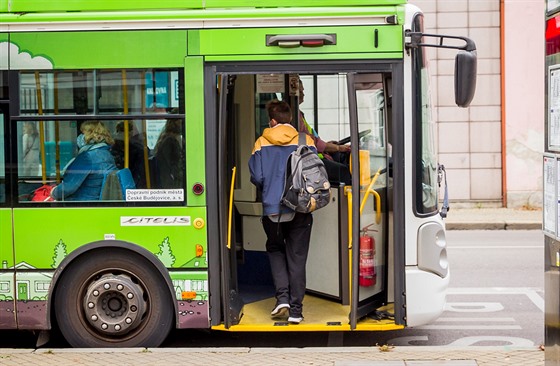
{"x":367,"y":275}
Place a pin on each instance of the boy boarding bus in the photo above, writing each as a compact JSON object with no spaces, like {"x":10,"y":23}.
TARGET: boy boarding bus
{"x":172,"y":238}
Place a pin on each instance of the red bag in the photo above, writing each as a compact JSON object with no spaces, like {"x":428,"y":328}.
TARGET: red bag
{"x":42,"y":194}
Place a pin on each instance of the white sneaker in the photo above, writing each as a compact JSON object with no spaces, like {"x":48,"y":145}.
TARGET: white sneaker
{"x":295,"y":319}
{"x":281,"y":310}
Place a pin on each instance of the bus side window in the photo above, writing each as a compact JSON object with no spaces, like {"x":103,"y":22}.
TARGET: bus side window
{"x":41,"y":160}
{"x":2,"y":161}
{"x":49,"y":154}
{"x":168,"y":162}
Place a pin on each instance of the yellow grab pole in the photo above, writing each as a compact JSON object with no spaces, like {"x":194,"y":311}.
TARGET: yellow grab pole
{"x":348,"y":193}
{"x":125,"y":111}
{"x":41,"y":127}
{"x":56,"y":131}
{"x":230,"y":213}
{"x":378,"y":198}
{"x":145,"y":137}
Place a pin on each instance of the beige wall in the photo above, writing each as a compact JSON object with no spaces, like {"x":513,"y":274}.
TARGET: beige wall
{"x":470,"y":139}
{"x":524,"y":78}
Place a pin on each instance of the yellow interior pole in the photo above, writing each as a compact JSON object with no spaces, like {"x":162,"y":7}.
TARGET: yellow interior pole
{"x":230,"y":212}
{"x":41,"y":127}
{"x":377,"y":197}
{"x":348,"y":193}
{"x":125,"y":111}
{"x":145,"y":139}
{"x":56,"y":130}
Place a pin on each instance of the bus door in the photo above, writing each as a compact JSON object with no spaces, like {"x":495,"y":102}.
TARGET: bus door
{"x":343,"y":108}
{"x":232,"y":304}
{"x":369,"y":230}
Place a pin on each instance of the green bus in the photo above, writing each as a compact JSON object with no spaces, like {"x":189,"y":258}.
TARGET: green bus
{"x":181,"y":244}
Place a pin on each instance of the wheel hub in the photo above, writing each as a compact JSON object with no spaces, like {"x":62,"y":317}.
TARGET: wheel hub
{"x":114,"y":304}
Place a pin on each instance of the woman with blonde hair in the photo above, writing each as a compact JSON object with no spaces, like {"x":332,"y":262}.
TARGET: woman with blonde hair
{"x":82,"y":179}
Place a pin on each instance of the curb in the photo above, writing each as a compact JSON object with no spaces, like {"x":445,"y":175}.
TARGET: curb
{"x":493,"y":225}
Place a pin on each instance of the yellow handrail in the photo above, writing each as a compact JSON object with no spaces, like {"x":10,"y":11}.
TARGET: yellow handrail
{"x":377,"y":197}
{"x":348,"y":194}
{"x":41,"y":127}
{"x":56,"y":132}
{"x":125,"y":111}
{"x":145,"y":137}
{"x":230,"y":207}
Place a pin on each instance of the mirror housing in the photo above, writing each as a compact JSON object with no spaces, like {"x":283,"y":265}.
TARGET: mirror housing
{"x":465,"y":61}
{"x":465,"y":77}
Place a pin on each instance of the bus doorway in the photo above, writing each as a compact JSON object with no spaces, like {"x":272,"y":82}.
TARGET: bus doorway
{"x":348,"y":276}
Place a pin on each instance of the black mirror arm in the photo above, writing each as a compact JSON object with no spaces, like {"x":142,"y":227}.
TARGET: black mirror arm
{"x":414,"y":40}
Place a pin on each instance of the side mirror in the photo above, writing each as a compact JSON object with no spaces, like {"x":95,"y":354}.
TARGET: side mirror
{"x":465,"y":77}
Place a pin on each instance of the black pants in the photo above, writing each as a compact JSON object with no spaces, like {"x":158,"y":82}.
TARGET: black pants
{"x":338,"y":169}
{"x":287,"y":246}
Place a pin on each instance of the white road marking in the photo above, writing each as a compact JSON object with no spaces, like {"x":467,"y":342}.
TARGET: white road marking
{"x":496,"y":247}
{"x":470,"y":327}
{"x":473,"y":307}
{"x":484,"y":320}
{"x":530,"y":292}
{"x":471,"y":341}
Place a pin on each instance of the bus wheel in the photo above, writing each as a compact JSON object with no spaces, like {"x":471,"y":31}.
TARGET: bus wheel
{"x":113,"y":298}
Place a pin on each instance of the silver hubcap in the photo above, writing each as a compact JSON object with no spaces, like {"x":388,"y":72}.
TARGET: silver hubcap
{"x":114,"y":304}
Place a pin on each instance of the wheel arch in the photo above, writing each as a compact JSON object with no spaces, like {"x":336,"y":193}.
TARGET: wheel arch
{"x":103,"y":245}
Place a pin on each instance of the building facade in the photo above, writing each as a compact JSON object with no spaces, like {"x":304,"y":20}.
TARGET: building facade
{"x":492,"y":150}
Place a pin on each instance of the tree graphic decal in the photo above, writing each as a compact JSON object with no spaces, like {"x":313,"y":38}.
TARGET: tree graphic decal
{"x":59,"y":253}
{"x":165,"y":254}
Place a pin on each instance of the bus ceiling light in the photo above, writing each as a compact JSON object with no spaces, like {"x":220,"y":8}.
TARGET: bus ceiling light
{"x":297,"y":40}
{"x":198,"y":189}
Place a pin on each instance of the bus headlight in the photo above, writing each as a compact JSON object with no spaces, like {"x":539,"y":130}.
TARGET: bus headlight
{"x":432,"y":249}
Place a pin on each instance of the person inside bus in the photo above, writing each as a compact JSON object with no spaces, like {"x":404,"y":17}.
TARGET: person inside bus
{"x":334,"y":156}
{"x":30,"y":144}
{"x":169,"y":156}
{"x":82,"y":178}
{"x":135,"y":150}
{"x":288,"y":232}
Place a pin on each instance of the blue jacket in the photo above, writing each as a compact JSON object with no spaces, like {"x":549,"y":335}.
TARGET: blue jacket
{"x":83,"y":178}
{"x":268,"y":164}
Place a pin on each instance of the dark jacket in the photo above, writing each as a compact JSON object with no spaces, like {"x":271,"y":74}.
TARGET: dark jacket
{"x":170,"y":162}
{"x":268,"y":164}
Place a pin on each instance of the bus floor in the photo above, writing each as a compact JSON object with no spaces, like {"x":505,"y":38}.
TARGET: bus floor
{"x":319,"y":314}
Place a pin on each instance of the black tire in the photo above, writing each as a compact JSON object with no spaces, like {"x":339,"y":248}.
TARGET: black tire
{"x":113,"y":298}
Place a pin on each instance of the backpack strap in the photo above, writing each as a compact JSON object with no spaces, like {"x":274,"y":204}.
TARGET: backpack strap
{"x":302,"y":139}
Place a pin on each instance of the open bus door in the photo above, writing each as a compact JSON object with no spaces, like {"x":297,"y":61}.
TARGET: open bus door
{"x":368,"y":196}
{"x":232,"y":303}
{"x":335,"y":269}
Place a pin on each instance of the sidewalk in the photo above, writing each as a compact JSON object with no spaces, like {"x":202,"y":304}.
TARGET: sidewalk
{"x":347,"y":356}
{"x":493,"y":219}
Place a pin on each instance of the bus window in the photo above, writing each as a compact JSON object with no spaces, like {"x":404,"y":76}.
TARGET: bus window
{"x":99,"y":92}
{"x":325,"y":105}
{"x":2,"y":161}
{"x":426,"y":165}
{"x":152,"y":148}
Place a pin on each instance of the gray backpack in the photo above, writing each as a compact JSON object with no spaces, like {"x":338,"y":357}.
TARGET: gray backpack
{"x":307,"y":186}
